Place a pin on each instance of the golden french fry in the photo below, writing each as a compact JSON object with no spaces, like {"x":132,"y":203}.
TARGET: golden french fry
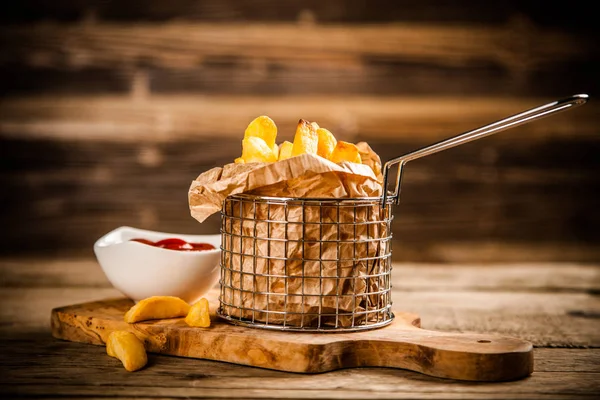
{"x":128,"y":348}
{"x":275,"y":150}
{"x":345,"y":151}
{"x":239,"y":160}
{"x":305,"y":140}
{"x":254,"y":149}
{"x":198,"y":315}
{"x":285,"y":150}
{"x":157,"y":307}
{"x":315,"y":126}
{"x":262,"y":127}
{"x":326,"y":143}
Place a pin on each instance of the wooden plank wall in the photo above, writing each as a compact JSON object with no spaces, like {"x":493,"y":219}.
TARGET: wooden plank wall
{"x":110,"y":108}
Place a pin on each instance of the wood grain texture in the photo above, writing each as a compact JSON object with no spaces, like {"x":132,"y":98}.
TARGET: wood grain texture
{"x":168,"y":118}
{"x":183,"y":45}
{"x":411,"y":277}
{"x":348,"y":385}
{"x":475,"y":60}
{"x":545,"y":319}
{"x":547,"y":304}
{"x":238,"y":76}
{"x":58,"y":371}
{"x":492,"y":49}
{"x":402,"y":344}
{"x":552,"y":303}
{"x":338,"y":11}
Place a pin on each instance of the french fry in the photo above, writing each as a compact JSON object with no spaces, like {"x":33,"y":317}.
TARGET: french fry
{"x":198,"y":314}
{"x":326,"y":143}
{"x":262,"y":127}
{"x":305,"y":140}
{"x":345,"y":151}
{"x":239,"y":160}
{"x":157,"y":307}
{"x":315,"y":125}
{"x":285,"y":150}
{"x":126,"y":347}
{"x":254,"y":149}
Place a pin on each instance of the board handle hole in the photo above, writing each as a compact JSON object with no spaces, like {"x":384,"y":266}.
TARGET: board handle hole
{"x":484,"y":341}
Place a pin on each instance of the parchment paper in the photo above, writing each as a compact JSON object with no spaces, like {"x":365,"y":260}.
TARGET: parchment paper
{"x":305,"y":175}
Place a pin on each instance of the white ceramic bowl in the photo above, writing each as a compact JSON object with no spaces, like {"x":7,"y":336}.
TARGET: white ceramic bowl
{"x":139,"y":270}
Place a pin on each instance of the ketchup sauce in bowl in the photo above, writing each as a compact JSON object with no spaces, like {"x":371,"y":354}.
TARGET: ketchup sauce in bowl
{"x":142,"y":263}
{"x":176,"y":244}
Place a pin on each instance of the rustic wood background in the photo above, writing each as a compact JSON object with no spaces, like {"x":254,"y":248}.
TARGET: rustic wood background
{"x":110,"y":109}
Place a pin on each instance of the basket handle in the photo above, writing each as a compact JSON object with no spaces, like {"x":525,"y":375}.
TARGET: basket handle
{"x":486,"y":130}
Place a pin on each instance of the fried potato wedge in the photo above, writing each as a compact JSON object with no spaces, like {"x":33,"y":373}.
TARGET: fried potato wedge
{"x":198,"y":314}
{"x":254,"y":149}
{"x":262,"y":127}
{"x":305,"y":140}
{"x":126,"y":347}
{"x":345,"y":151}
{"x":275,"y":150}
{"x":285,"y":150}
{"x":326,"y":143}
{"x":157,"y":307}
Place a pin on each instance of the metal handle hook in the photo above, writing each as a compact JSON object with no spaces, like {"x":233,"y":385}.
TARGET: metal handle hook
{"x":486,"y":130}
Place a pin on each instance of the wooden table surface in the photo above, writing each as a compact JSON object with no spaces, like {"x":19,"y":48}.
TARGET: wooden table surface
{"x":555,"y":306}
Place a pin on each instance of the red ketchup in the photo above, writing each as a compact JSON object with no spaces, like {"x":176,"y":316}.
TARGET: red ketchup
{"x":176,"y":244}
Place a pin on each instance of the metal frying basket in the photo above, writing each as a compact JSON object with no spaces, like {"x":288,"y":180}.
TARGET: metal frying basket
{"x":306,"y":264}
{"x":302,"y":264}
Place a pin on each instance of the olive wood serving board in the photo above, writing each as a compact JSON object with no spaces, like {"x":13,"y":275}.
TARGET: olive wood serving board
{"x":402,"y":344}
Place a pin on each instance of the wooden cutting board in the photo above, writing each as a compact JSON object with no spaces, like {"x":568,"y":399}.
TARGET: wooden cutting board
{"x":402,"y":344}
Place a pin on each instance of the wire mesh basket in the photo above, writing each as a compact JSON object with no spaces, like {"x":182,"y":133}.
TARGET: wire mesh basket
{"x":306,"y":264}
{"x":323,"y":264}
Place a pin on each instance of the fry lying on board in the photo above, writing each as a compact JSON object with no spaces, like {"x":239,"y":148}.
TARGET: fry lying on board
{"x":198,"y":315}
{"x":161,"y":307}
{"x":259,"y":143}
{"x":128,"y":348}
{"x":157,"y":307}
{"x":125,"y":346}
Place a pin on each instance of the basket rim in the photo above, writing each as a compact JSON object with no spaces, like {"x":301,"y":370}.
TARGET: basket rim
{"x":254,"y":197}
